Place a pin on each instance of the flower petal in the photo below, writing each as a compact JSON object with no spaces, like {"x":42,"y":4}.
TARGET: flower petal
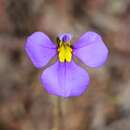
{"x":65,"y":37}
{"x":40,"y":49}
{"x":65,"y":79}
{"x":91,"y":49}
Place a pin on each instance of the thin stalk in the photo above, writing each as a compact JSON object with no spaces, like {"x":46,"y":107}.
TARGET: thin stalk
{"x":58,"y":113}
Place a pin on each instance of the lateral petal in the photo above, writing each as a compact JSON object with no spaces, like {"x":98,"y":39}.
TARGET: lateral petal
{"x":91,"y":49}
{"x":40,"y":49}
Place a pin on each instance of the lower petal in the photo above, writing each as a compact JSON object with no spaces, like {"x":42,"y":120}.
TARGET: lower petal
{"x":65,"y":79}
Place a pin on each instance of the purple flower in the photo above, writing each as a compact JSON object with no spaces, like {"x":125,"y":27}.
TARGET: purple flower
{"x":66,"y":78}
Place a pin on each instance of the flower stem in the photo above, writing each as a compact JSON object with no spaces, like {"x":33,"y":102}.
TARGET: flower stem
{"x":58,"y":113}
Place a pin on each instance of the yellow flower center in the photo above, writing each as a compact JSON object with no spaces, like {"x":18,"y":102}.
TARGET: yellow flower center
{"x":65,"y":52}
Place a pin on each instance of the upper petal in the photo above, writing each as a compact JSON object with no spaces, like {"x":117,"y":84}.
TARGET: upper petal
{"x":65,"y":79}
{"x":91,"y":49}
{"x":40,"y":49}
{"x":65,"y":37}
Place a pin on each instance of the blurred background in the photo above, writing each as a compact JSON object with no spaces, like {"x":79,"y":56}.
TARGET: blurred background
{"x":25,"y":105}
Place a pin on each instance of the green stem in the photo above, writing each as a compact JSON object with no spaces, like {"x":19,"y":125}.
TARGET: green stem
{"x":58,"y":113}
